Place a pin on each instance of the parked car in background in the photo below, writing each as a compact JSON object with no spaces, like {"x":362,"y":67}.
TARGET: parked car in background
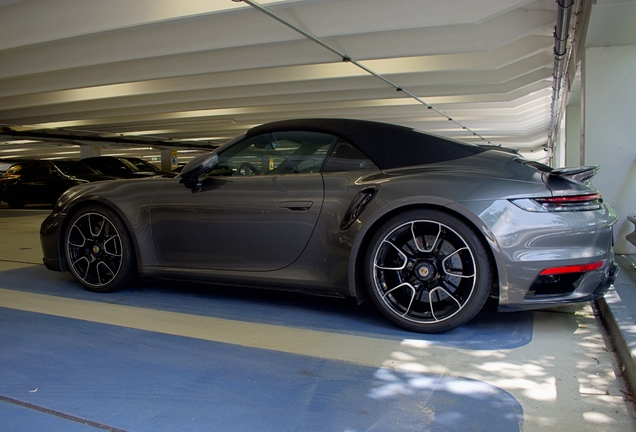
{"x":426,"y":227}
{"x":82,"y":171}
{"x":34,"y":182}
{"x":125,"y":167}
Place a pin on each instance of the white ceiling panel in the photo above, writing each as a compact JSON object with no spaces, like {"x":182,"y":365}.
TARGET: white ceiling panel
{"x":206,"y":70}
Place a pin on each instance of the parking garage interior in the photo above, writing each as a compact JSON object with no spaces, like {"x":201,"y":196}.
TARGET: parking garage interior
{"x":165,"y":81}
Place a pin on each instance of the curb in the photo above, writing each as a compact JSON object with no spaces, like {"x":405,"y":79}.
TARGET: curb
{"x":618,"y":310}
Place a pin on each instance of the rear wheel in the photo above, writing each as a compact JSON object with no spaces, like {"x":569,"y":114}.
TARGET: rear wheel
{"x":98,"y":250}
{"x":428,"y":271}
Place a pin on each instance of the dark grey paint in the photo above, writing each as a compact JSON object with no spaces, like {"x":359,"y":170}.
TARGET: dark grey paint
{"x":284,"y":231}
{"x":257,"y":223}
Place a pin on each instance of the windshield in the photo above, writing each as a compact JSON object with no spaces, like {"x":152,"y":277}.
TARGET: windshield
{"x":140,"y":164}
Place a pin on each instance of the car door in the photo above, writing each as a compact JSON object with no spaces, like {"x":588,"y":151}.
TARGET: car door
{"x":36,"y":184}
{"x":255,"y":212}
{"x":56,"y":182}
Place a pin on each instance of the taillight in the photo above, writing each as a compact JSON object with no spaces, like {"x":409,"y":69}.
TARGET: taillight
{"x":563,"y":203}
{"x":581,"y":268}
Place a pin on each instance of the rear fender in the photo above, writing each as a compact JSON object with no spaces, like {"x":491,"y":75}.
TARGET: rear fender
{"x":373,"y":218}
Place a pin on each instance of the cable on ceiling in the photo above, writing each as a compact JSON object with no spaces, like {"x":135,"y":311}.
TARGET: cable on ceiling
{"x":348,"y":59}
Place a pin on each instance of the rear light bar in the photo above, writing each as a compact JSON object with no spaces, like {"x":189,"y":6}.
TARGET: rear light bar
{"x":571,"y":199}
{"x":581,"y":268}
{"x":593,"y":201}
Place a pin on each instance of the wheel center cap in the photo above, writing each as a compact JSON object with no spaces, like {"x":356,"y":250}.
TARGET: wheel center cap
{"x":425,"y":271}
{"x":96,"y":249}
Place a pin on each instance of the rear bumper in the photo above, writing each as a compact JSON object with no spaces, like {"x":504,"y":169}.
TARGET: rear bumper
{"x":592,"y":286}
{"x":526,"y":243}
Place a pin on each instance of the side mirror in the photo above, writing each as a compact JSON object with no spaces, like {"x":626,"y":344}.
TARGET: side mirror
{"x":199,"y":165}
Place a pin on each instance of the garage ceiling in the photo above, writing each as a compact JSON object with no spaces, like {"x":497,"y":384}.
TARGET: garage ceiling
{"x":206,"y":70}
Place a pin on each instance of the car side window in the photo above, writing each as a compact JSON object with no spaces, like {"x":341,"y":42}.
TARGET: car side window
{"x":289,"y":152}
{"x":96,"y":164}
{"x":345,"y":157}
{"x":49,"y":170}
{"x":29,"y":170}
{"x":104,"y":164}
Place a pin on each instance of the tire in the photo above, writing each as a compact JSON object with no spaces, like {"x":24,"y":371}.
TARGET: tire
{"x":98,"y":250}
{"x":428,"y":271}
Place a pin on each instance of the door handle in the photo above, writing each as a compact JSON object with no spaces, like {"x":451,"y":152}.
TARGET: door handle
{"x":296,"y":205}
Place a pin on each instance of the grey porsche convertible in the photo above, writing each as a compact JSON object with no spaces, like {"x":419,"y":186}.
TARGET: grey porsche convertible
{"x":426,"y":227}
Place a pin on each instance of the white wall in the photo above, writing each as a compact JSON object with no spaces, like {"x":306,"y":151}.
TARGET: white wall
{"x":609,"y":130}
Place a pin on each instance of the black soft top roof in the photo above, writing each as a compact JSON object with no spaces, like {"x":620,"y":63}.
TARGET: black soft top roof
{"x":387,"y":145}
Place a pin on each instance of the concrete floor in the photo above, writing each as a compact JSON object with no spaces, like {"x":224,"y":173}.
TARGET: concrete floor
{"x":166,"y":356}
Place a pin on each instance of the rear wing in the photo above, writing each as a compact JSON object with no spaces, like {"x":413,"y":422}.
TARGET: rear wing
{"x":582,"y":174}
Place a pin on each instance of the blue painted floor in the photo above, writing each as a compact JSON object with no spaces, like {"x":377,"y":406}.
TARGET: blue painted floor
{"x":487,"y":331}
{"x":70,"y":374}
{"x":138,"y":380}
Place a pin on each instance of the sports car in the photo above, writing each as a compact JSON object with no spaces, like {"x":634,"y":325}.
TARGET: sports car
{"x":426,"y":227}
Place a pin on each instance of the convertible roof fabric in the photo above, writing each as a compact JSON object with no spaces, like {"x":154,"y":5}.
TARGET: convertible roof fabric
{"x":388,"y":146}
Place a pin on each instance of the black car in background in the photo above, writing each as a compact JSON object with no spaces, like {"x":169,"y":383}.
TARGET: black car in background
{"x":42,"y":182}
{"x":34,"y":182}
{"x":125,"y":167}
{"x":81,"y":170}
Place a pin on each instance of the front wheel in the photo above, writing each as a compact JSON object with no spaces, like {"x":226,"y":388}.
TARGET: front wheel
{"x":98,"y":250}
{"x":428,"y":271}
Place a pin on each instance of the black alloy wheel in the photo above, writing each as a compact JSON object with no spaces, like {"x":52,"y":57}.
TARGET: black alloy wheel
{"x":98,"y":250}
{"x":427,"y":271}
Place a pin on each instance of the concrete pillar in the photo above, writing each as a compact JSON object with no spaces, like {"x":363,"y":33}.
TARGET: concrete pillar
{"x":573,"y":136}
{"x":168,"y":159}
{"x":87,"y":150}
{"x":609,"y":116}
{"x":559,"y":151}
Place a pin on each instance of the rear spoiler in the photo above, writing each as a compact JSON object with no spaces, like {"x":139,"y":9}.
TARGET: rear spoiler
{"x":581,"y":174}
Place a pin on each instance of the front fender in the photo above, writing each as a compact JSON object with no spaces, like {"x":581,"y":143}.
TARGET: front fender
{"x":130,"y":199}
